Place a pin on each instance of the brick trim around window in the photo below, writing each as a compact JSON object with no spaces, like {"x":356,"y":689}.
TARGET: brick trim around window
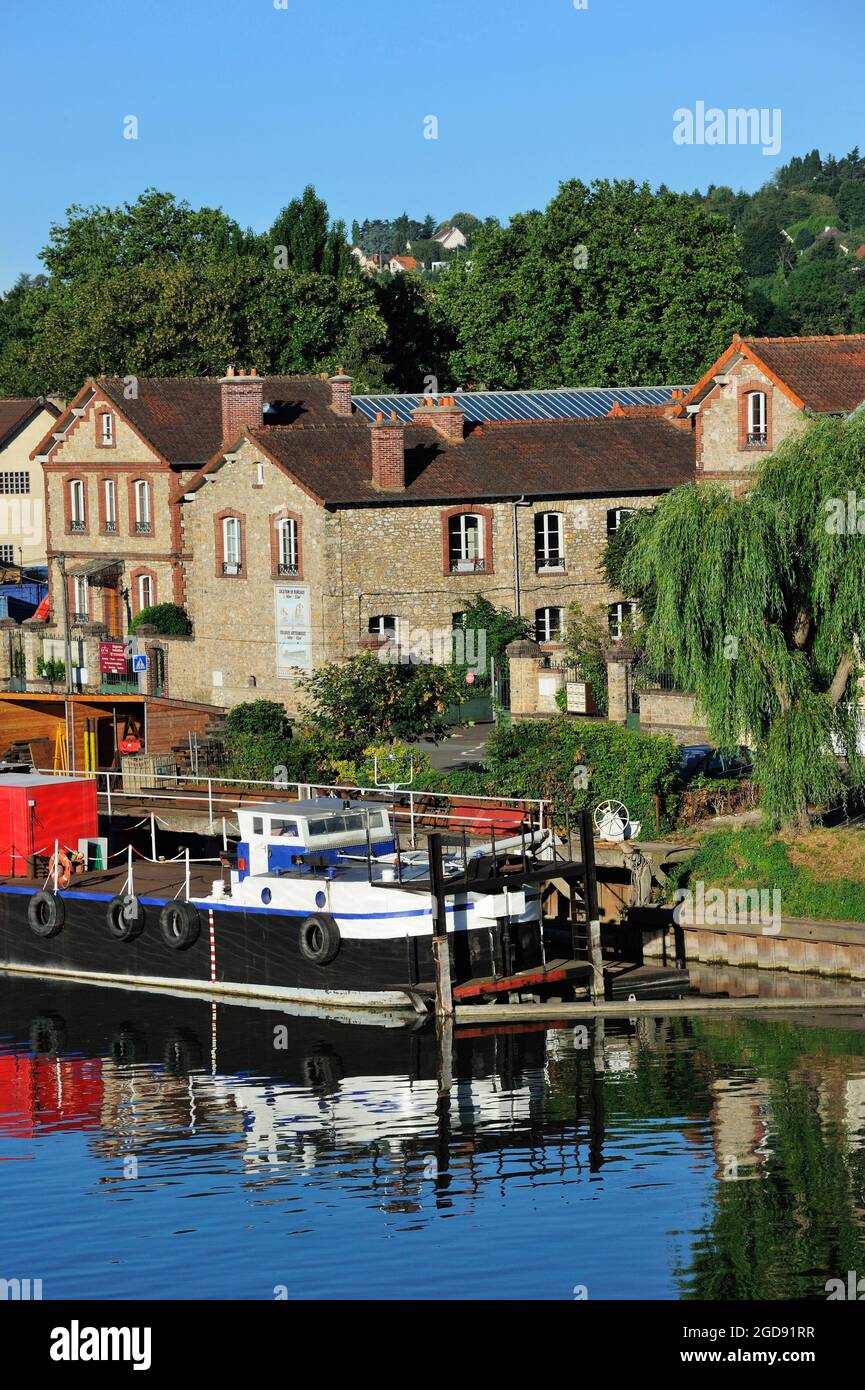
{"x":102,"y":443}
{"x":219,"y":543}
{"x":133,"y":585}
{"x":285,"y":514}
{"x":486,"y":513}
{"x":101,"y":480}
{"x":130,"y":490}
{"x":746,"y":390}
{"x":68,"y":480}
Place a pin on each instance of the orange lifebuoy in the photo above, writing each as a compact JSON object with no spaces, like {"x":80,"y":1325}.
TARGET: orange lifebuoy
{"x":64,"y":863}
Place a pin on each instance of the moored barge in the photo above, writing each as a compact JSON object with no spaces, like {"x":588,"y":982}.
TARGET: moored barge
{"x":318,"y":905}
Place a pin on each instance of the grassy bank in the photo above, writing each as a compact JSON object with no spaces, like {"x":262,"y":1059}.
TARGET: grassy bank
{"x":819,"y":875}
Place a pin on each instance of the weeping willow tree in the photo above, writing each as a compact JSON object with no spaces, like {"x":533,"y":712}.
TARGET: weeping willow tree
{"x":757,"y":604}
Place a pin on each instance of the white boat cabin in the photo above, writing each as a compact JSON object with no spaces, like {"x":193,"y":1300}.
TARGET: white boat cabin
{"x":274,"y":835}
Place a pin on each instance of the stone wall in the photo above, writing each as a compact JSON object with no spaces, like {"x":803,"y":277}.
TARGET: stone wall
{"x":671,"y":712}
{"x":719,"y":455}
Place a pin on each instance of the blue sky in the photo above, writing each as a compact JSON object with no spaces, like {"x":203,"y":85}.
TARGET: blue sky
{"x":241,"y":104}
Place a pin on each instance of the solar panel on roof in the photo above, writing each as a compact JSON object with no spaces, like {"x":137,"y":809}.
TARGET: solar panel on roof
{"x":564,"y":403}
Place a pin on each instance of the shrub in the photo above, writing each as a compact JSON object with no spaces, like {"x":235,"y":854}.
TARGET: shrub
{"x":168,"y":618}
{"x":258,"y":735}
{"x":541,"y":760}
{"x":395,"y":762}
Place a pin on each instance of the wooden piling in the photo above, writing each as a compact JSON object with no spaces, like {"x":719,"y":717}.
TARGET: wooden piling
{"x":440,"y":946}
{"x":590,"y":896}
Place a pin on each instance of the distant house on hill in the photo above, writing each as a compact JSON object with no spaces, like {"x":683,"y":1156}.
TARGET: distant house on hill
{"x":450,"y":238}
{"x":397,"y":264}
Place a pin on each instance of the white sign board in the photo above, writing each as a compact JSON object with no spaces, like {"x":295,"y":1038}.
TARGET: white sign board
{"x":293,"y":629}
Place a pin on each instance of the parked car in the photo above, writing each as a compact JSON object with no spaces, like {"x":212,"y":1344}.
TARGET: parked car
{"x":702,"y":760}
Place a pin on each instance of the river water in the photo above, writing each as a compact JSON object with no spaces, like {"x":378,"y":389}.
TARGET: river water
{"x":162,"y":1147}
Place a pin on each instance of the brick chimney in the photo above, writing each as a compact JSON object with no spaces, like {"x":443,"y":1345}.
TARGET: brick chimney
{"x":388,"y":452}
{"x":340,"y":393}
{"x":242,"y":402}
{"x":445,"y":416}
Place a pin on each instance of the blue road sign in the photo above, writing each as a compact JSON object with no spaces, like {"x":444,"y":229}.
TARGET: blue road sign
{"x":139,"y":663}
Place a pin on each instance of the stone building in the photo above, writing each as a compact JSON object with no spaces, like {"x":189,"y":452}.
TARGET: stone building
{"x":304,"y":541}
{"x":761,"y":390}
{"x":23,"y":422}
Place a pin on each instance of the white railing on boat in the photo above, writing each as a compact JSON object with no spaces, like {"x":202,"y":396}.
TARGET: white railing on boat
{"x":409,"y":806}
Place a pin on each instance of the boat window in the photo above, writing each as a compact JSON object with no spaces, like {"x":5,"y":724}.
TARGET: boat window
{"x":340,"y":824}
{"x":258,"y":825}
{"x":283,"y":827}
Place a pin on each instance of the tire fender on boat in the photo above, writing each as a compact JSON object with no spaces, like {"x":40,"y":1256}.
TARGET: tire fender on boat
{"x":46,"y":913}
{"x":319,"y":938}
{"x":179,"y":925}
{"x":125,"y":917}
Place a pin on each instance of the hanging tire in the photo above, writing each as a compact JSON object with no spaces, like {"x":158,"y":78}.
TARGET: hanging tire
{"x":47,"y":1035}
{"x":319,"y":939}
{"x":46,"y":913}
{"x":125,"y":918}
{"x":179,"y":925}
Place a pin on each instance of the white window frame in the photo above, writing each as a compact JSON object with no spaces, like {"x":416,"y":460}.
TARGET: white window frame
{"x":109,"y":493}
{"x":143,"y":507}
{"x":618,"y":515}
{"x":758,"y":416}
{"x":378,"y":626}
{"x":80,"y":595}
{"x":106,"y":428}
{"x":145,"y":581}
{"x":288,"y":536}
{"x":465,"y":533}
{"x":77,"y":502}
{"x":7,"y":555}
{"x":549,"y":541}
{"x":544,"y":633}
{"x":618,"y":615}
{"x":232,"y":545}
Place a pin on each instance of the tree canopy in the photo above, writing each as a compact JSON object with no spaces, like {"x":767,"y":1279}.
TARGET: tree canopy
{"x":756,"y":603}
{"x":611,"y":284}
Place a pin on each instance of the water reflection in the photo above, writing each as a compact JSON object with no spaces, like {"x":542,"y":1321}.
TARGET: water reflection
{"x":701,"y":1156}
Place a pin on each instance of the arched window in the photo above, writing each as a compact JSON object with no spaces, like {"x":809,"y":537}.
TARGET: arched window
{"x":289,"y":549}
{"x":145,"y":591}
{"x":549,"y":623}
{"x":232,"y":549}
{"x":549,"y":541}
{"x":77,"y":506}
{"x":466,"y":542}
{"x":143,"y":524}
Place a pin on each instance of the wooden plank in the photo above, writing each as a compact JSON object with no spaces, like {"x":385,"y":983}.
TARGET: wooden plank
{"x":552,"y":973}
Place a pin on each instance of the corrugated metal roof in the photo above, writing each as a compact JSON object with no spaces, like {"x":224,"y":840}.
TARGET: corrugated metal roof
{"x":565,"y":403}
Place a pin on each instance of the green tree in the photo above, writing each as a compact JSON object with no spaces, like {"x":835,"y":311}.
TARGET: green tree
{"x":587,"y":638}
{"x":366,"y":699}
{"x":757,"y":604}
{"x":492,"y":630}
{"x":816,"y":298}
{"x":610,"y":284}
{"x":302,"y":229}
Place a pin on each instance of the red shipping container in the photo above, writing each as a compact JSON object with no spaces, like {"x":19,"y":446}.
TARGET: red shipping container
{"x":62,"y":809}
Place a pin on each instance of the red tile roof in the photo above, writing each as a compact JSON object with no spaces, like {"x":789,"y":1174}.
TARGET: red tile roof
{"x":599,"y":457}
{"x":183,"y":418}
{"x":15,"y":411}
{"x":825,"y":375}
